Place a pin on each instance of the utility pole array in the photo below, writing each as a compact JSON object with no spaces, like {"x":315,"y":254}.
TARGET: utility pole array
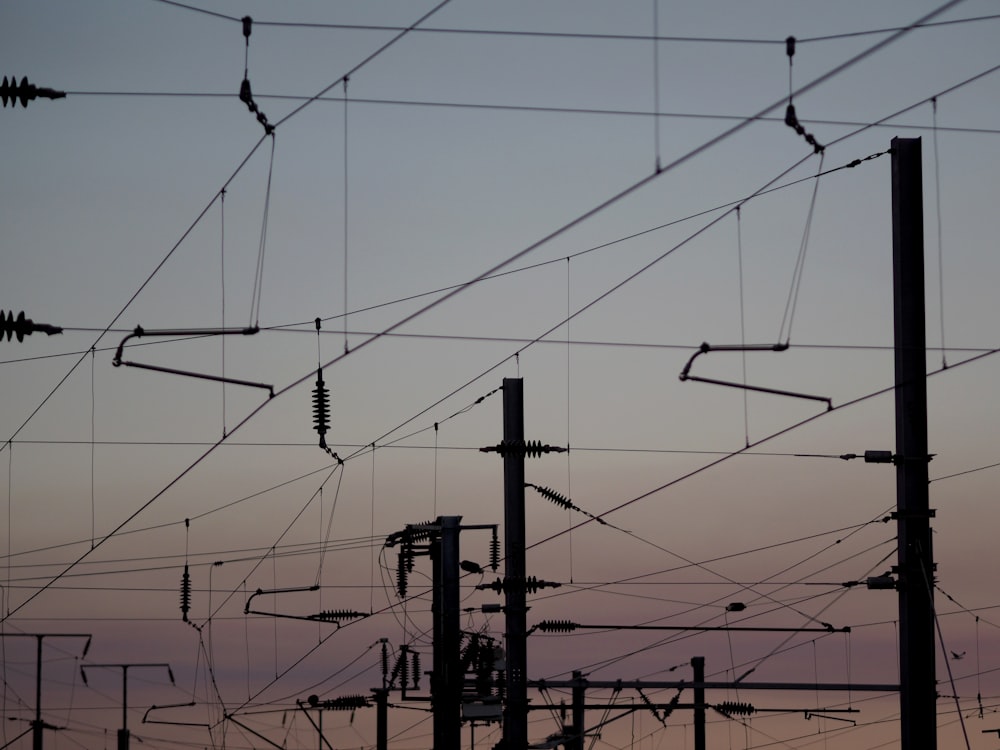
{"x":473,"y":683}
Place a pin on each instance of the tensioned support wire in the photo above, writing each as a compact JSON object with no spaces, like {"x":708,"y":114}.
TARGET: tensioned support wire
{"x":577,"y":35}
{"x":581,"y":218}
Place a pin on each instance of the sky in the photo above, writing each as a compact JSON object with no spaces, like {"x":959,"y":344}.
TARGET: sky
{"x":463,"y":192}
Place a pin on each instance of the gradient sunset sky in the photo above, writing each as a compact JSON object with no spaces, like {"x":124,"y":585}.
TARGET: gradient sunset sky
{"x":577,"y":193}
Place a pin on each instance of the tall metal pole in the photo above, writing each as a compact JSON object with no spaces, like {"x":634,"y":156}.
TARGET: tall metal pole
{"x":123,"y":733}
{"x":579,"y":701}
{"x":698,"y":666}
{"x":36,"y":727}
{"x":381,"y":718}
{"x":446,"y":688}
{"x":915,"y":569}
{"x":515,"y":726}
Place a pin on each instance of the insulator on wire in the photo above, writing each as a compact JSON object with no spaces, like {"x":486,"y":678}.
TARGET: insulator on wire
{"x":401,"y":575}
{"x":404,"y":669}
{"x":385,"y":659}
{"x":732,"y":708}
{"x":185,"y":593}
{"x":557,"y":626}
{"x":335,"y":615}
{"x":420,"y":532}
{"x":416,"y":670}
{"x":532,"y":584}
{"x":495,"y":550}
{"x":501,"y":684}
{"x":321,"y":408}
{"x":25,"y":91}
{"x":470,"y":653}
{"x":341,"y":703}
{"x":528,"y":448}
{"x":397,"y":668}
{"x":22,"y":326}
{"x":649,"y":704}
{"x":549,"y":494}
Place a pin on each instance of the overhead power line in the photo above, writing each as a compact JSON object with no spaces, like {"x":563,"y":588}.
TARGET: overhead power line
{"x":580,"y":219}
{"x":580,"y":35}
{"x":534,"y":108}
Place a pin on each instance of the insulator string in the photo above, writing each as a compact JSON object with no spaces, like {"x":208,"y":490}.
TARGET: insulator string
{"x":321,"y":400}
{"x":186,"y":577}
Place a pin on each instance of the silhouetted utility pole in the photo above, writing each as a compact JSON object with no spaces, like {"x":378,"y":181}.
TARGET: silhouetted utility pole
{"x":381,"y":718}
{"x":447,"y":677}
{"x":915,"y":569}
{"x":38,"y":725}
{"x":516,"y":584}
{"x":698,"y":668}
{"x":515,"y":727}
{"x":579,"y":714}
{"x":123,"y":733}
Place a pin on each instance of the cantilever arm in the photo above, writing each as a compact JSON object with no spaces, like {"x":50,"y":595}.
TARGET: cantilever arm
{"x":147,"y":720}
{"x":705,"y":348}
{"x":293,"y":590}
{"x":140,"y":332}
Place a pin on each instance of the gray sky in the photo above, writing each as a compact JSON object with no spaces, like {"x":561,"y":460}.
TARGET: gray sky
{"x":599,"y":171}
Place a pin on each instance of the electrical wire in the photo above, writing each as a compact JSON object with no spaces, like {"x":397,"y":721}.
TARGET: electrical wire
{"x":538,"y":109}
{"x":760,"y":441}
{"x":656,"y":37}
